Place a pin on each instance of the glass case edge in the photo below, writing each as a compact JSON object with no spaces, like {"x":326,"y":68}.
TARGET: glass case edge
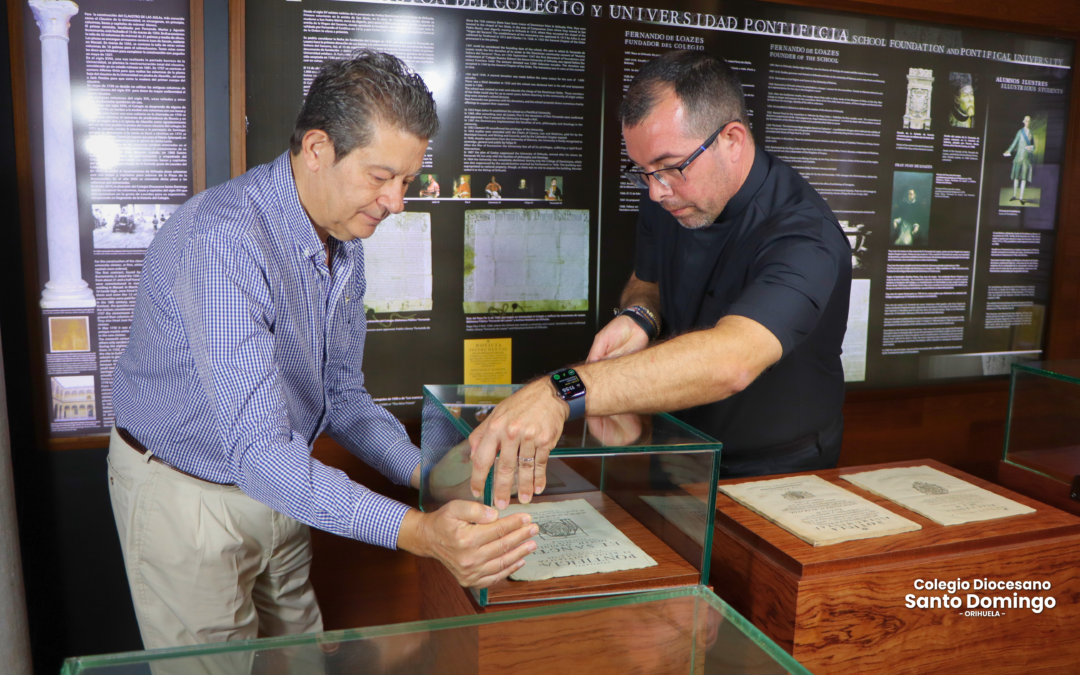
{"x":705,"y":437}
{"x":1009,"y":412}
{"x":456,"y":421}
{"x":1045,"y":373}
{"x":706,"y":554}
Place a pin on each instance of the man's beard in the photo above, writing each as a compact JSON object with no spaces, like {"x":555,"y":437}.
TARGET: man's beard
{"x":695,"y":219}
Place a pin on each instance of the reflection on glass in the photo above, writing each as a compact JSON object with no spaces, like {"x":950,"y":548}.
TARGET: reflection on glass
{"x":1043,"y":431}
{"x":689,"y":630}
{"x":650,"y":476}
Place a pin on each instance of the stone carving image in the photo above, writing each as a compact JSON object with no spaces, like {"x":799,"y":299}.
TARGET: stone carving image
{"x":920,"y":85}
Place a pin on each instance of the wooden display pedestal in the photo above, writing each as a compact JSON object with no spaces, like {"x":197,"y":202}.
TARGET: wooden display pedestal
{"x":842,"y":608}
{"x":577,"y":641}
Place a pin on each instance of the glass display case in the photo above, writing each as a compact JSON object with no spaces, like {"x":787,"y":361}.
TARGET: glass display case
{"x":1042,"y":434}
{"x":645,"y":475}
{"x":687,"y":631}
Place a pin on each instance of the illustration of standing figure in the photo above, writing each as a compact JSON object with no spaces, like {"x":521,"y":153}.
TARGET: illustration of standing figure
{"x":905,"y":224}
{"x":1023,"y":146}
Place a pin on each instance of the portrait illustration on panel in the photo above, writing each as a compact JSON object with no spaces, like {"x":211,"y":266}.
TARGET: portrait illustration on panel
{"x":429,"y":186}
{"x":462,"y":187}
{"x":962,"y":113}
{"x":910,"y":217}
{"x":553,"y":187}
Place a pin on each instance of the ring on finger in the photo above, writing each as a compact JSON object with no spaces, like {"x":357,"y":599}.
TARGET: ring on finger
{"x":525,"y":460}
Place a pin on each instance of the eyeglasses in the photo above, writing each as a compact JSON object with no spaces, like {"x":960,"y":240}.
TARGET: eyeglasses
{"x":672,"y":175}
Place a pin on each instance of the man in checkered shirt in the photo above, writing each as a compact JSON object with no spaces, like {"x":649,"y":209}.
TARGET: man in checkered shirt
{"x":246,"y":344}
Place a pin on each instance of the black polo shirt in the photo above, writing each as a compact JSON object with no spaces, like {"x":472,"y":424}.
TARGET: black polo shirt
{"x":777,"y":255}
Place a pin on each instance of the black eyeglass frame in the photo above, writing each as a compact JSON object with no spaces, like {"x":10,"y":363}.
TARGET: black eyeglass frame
{"x":640,"y":178}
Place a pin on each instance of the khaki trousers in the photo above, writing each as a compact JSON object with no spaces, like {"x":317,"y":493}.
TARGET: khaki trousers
{"x":205,"y":562}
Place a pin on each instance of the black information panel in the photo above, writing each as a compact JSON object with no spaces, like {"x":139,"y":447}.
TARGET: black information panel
{"x":109,"y":104}
{"x":940,"y":149}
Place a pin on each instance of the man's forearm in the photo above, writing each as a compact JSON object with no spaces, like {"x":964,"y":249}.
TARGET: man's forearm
{"x":644,"y":293}
{"x":692,"y":369}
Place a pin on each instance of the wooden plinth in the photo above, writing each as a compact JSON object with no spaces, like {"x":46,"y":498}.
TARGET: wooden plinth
{"x":443,"y":597}
{"x":841,"y":608}
{"x":634,"y":639}
{"x":654,"y":638}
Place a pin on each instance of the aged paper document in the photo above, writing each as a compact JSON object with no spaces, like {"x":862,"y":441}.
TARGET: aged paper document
{"x":942,"y":498}
{"x":816,"y":511}
{"x":575,"y":539}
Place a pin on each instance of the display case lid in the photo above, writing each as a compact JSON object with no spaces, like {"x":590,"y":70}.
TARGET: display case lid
{"x":689,"y":626}
{"x":467,"y":405}
{"x":1067,"y":370}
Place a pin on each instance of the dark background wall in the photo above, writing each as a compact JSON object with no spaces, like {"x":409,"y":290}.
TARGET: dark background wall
{"x":77,"y":593}
{"x":76,"y":588}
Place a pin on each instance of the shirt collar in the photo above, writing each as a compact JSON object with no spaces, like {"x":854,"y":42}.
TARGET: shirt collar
{"x":297,"y":223}
{"x":759,"y":170}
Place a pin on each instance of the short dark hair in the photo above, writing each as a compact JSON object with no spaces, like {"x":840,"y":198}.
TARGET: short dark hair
{"x":349,"y":96}
{"x":709,"y":89}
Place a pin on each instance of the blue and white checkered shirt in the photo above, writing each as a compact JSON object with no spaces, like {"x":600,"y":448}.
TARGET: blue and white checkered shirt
{"x":244,"y":348}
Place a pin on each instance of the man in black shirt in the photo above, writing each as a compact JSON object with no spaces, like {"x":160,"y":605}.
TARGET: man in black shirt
{"x":745,"y":268}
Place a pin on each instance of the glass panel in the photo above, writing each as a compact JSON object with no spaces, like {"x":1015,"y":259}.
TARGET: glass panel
{"x":1043,"y":432}
{"x":686,"y":631}
{"x":648,"y":475}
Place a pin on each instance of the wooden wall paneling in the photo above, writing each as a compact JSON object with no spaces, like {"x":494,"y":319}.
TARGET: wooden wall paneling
{"x":237,"y":88}
{"x":962,"y":426}
{"x":359,"y":584}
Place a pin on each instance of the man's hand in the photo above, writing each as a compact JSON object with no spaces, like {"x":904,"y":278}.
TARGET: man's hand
{"x":621,"y":336}
{"x":450,"y":477}
{"x":521,"y":430}
{"x":477,"y":546}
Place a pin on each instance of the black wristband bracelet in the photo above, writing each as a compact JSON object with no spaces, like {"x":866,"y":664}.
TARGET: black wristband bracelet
{"x":645,"y":324}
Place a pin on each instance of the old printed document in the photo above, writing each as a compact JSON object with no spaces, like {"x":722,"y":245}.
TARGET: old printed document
{"x":816,"y":511}
{"x":942,"y":498}
{"x":575,"y":539}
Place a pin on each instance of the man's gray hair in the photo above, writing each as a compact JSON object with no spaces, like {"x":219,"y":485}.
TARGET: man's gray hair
{"x":349,"y":97}
{"x":710,"y":91}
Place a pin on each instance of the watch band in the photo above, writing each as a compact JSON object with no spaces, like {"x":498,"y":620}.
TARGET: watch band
{"x":643,"y":317}
{"x":577,"y":408}
{"x":640,"y":321}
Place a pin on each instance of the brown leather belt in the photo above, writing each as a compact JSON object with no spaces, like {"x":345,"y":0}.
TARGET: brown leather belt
{"x":141,"y":449}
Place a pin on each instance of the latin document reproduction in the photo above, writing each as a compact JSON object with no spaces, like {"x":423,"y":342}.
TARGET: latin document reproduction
{"x":816,"y":511}
{"x":942,"y":498}
{"x":575,"y":539}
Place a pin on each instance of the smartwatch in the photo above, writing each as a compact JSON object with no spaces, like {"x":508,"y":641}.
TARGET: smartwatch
{"x":570,"y":388}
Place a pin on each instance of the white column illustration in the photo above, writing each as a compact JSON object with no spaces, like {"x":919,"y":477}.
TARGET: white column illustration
{"x":65,"y":287}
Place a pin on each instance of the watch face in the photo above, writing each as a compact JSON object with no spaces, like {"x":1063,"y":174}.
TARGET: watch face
{"x":568,"y":384}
